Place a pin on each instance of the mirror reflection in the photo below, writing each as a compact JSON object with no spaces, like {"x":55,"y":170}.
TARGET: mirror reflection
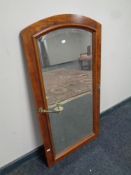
{"x":66,"y":60}
{"x":63,"y":51}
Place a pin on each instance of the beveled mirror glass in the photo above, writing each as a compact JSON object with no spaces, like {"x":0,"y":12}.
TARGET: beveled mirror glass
{"x":66,"y":62}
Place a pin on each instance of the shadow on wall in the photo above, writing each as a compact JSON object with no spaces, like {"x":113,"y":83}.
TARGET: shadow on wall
{"x":32,"y":110}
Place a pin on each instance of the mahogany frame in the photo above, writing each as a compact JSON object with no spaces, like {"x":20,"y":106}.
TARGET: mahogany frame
{"x":29,"y":39}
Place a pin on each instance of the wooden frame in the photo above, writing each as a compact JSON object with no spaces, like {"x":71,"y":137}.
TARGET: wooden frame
{"x":29,"y":39}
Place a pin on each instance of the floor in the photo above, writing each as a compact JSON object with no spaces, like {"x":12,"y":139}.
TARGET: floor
{"x":63,"y":85}
{"x":110,"y":154}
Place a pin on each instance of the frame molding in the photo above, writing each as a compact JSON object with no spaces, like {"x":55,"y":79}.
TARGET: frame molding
{"x":29,"y":38}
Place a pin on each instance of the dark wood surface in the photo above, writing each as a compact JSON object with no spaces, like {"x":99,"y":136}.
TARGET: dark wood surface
{"x":29,"y":39}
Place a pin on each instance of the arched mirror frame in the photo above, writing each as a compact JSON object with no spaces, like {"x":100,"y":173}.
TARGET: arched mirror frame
{"x":30,"y":36}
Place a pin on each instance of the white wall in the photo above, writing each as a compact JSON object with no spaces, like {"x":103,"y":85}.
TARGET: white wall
{"x":61,"y":53}
{"x":19,"y":131}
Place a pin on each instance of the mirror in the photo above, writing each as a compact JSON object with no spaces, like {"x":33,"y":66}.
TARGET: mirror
{"x":66,"y":63}
{"x":63,"y":59}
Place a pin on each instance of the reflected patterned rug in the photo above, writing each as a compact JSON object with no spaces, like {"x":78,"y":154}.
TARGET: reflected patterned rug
{"x":63,"y":85}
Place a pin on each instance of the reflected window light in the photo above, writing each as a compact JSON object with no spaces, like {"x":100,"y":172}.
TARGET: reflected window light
{"x":63,"y":41}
